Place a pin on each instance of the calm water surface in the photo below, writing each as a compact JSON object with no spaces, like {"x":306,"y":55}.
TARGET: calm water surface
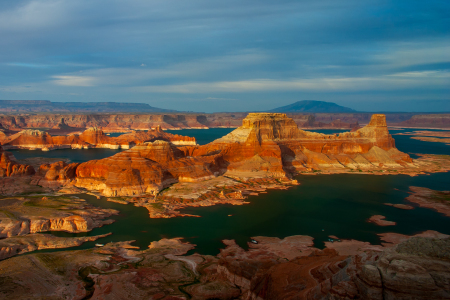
{"x":322,"y":205}
{"x":203,"y":136}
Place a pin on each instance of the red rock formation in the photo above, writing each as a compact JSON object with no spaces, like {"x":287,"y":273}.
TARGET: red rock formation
{"x":127,"y":122}
{"x":59,"y":171}
{"x":92,"y":137}
{"x":107,"y":122}
{"x":145,"y":168}
{"x":267,"y":271}
{"x":265,"y":145}
{"x":415,"y":269}
{"x":273,"y":143}
{"x":9,"y":167}
{"x":428,"y":121}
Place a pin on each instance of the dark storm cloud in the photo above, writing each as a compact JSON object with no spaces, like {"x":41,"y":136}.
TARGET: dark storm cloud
{"x":183,"y":54}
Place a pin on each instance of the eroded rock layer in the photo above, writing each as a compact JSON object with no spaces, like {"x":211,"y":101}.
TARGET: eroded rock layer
{"x":10,"y":167}
{"x":91,"y":138}
{"x":145,"y":168}
{"x":120,"y":122}
{"x":265,"y":145}
{"x":291,"y":268}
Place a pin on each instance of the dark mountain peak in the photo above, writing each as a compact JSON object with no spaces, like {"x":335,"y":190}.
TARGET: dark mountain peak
{"x":313,"y":106}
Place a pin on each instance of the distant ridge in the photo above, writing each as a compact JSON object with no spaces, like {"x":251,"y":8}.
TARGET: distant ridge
{"x":312,"y":106}
{"x":79,"y":107}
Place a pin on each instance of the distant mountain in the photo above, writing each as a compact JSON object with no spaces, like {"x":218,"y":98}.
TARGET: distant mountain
{"x":312,"y":106}
{"x":78,"y":107}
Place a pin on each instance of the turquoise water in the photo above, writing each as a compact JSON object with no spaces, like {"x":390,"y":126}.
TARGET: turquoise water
{"x":203,"y":136}
{"x":321,"y":205}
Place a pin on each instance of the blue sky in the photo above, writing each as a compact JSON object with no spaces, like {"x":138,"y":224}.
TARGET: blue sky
{"x":205,"y":55}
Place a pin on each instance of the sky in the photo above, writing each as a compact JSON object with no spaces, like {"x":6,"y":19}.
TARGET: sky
{"x":210,"y":56}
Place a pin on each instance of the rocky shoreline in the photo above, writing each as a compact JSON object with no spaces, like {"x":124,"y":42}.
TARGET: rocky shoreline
{"x":37,"y":241}
{"x":289,"y":268}
{"x":24,"y":219}
{"x":436,"y":200}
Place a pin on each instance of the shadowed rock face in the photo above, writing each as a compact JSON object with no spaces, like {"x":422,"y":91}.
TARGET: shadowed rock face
{"x":418,"y":268}
{"x":415,"y":269}
{"x":265,"y":145}
{"x":289,"y":268}
{"x":428,"y":121}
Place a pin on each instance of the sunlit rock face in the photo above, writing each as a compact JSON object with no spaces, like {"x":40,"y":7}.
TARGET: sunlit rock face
{"x":145,"y":168}
{"x":276,"y":140}
{"x":9,"y":167}
{"x":267,"y":144}
{"x":91,"y":138}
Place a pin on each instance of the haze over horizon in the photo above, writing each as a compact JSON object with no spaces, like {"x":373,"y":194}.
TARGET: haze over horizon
{"x":214,"y":56}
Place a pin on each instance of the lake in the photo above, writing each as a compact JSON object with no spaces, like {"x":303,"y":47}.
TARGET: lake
{"x":321,"y":205}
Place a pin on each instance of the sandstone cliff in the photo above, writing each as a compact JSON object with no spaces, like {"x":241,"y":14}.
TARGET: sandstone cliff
{"x":146,"y":168}
{"x":428,"y":121}
{"x":265,"y":145}
{"x":21,"y":216}
{"x":9,"y":167}
{"x":90,"y":138}
{"x":274,"y":143}
{"x":58,"y":123}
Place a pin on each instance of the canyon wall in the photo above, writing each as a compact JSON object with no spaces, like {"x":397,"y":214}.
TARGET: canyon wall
{"x":428,"y":121}
{"x":120,"y":122}
{"x":91,"y":138}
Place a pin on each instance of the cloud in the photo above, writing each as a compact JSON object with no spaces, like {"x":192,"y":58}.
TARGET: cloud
{"x":33,"y":15}
{"x":132,"y":50}
{"x":389,"y":82}
{"x":74,"y":80}
{"x":198,"y":68}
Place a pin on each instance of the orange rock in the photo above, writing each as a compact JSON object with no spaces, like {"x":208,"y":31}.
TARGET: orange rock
{"x":145,"y":168}
{"x":9,"y":167}
{"x":58,"y":171}
{"x":91,"y":138}
{"x":265,"y":145}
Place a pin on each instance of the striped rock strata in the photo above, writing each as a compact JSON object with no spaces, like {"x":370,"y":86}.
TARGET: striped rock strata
{"x":91,"y":138}
{"x":265,"y":145}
